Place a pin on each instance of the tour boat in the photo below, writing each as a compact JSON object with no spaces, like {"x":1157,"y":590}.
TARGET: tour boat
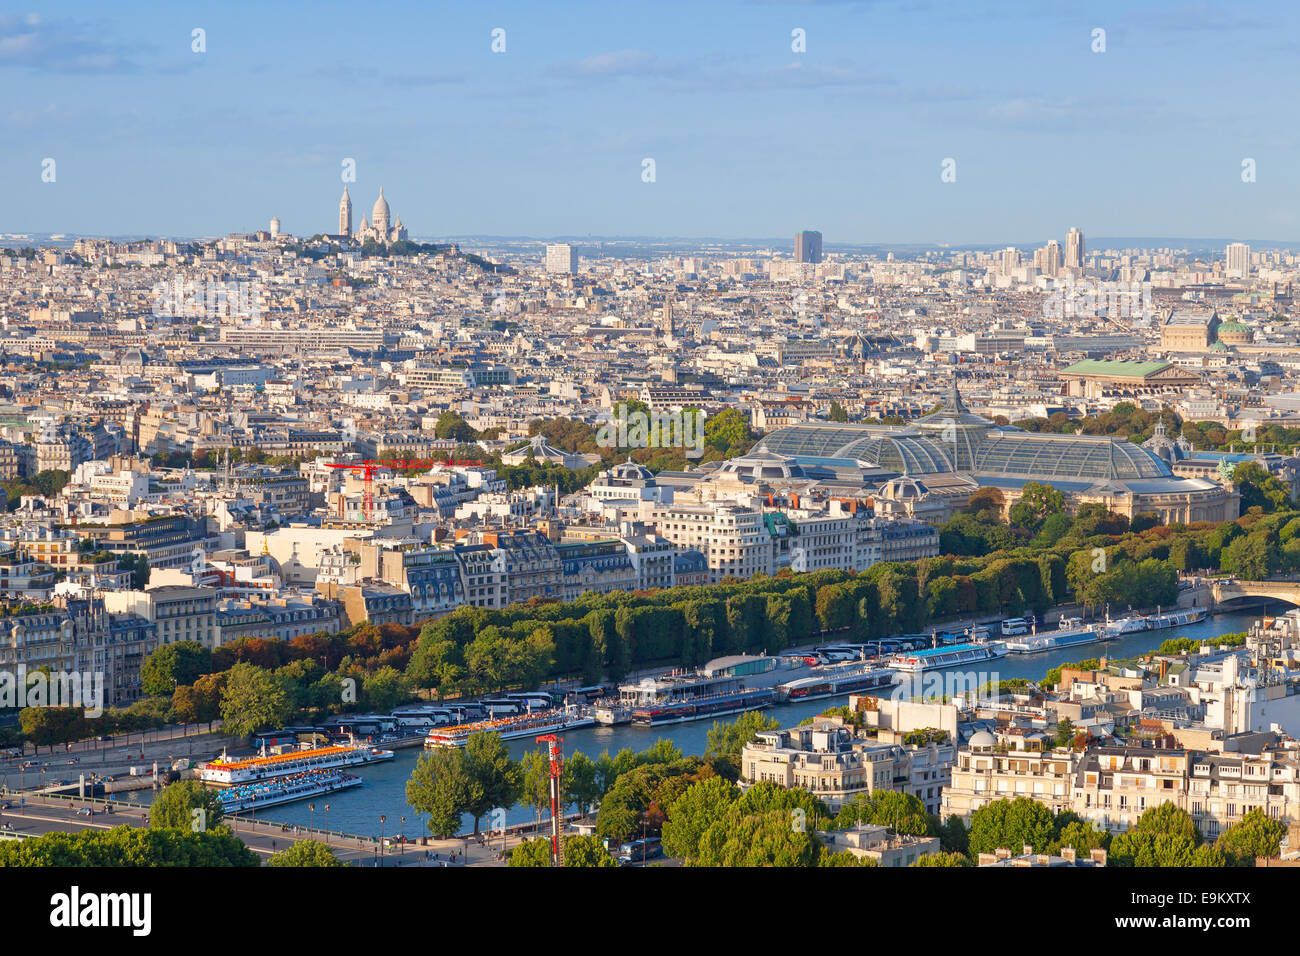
{"x":835,"y":681}
{"x":1155,"y":622}
{"x":683,"y":709}
{"x":520,"y":725}
{"x":1070,"y":631}
{"x":224,"y":772}
{"x":953,"y":656}
{"x":277,"y":790}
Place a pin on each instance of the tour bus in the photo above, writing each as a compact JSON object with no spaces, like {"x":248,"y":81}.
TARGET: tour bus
{"x":502,"y":706}
{"x":635,"y":851}
{"x":587,"y":695}
{"x":423,"y":719}
{"x":363,"y":726}
{"x":1014,"y":625}
{"x":288,"y":737}
{"x":533,"y":701}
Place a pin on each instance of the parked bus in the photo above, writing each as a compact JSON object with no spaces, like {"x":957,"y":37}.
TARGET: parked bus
{"x":637,"y":851}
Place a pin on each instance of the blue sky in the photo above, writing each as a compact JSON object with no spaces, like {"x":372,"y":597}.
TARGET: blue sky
{"x":749,"y":138}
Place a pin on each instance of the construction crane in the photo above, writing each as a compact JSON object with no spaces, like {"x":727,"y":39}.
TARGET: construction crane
{"x":556,"y":751}
{"x":366,"y":468}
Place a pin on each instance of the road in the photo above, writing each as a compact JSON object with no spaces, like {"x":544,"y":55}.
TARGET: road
{"x":43,"y":815}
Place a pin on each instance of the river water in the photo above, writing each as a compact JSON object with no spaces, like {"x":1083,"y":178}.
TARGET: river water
{"x":384,"y":792}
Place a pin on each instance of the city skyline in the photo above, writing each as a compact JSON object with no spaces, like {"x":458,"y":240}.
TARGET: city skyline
{"x":849,"y":134}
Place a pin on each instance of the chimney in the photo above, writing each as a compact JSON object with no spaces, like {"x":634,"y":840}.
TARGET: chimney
{"x":1002,"y":853}
{"x":987,"y":859}
{"x":1098,"y":857}
{"x":1067,"y":854}
{"x":1027,"y":850}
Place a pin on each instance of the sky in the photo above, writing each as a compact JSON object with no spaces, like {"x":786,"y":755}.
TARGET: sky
{"x":749,"y":138}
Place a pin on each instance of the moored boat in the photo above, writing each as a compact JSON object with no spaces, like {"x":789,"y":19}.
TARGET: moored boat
{"x":522,"y":725}
{"x":957,"y":654}
{"x":277,"y":790}
{"x":835,"y":681}
{"x":224,"y":772}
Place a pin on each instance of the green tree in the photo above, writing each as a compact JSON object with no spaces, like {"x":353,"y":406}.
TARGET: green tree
{"x":694,"y":812}
{"x":174,"y":665}
{"x":1038,"y":501}
{"x":944,"y":859}
{"x":175,"y":807}
{"x":441,"y":787}
{"x":726,"y":741}
{"x":252,"y":700}
{"x":531,"y":853}
{"x":1011,"y":825}
{"x":1164,"y":836}
{"x":305,"y":853}
{"x":901,"y":812}
{"x":1254,"y":835}
{"x":759,"y":839}
{"x":585,"y":851}
{"x":495,"y":778}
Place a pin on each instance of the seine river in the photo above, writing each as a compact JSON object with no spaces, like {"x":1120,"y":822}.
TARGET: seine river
{"x":384,"y":792}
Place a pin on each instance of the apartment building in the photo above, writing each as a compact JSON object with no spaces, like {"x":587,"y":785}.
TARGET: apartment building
{"x":652,"y":560}
{"x":734,"y":540}
{"x":527,"y":562}
{"x":482,"y":583}
{"x":178,"y":612}
{"x":829,"y":760}
{"x":595,"y":566}
{"x":1113,"y":786}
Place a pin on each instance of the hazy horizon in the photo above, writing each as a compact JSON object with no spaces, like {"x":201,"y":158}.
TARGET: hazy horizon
{"x":761,"y":118}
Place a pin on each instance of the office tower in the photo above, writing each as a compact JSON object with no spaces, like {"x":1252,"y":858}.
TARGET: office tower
{"x":345,"y":214}
{"x":562,"y":259}
{"x":1238,"y":256}
{"x":1010,"y":260}
{"x":1052,"y":258}
{"x":1074,"y":249}
{"x":808,"y":247}
{"x":275,"y":226}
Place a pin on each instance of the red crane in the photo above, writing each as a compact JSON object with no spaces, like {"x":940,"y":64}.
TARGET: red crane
{"x":556,"y":751}
{"x":367,"y":468}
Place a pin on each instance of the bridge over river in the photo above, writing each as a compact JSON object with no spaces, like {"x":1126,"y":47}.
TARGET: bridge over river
{"x":1232,"y":590}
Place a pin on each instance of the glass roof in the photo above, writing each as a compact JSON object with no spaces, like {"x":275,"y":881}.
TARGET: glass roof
{"x":974,"y":450}
{"x":1061,"y":456}
{"x":913,"y":454}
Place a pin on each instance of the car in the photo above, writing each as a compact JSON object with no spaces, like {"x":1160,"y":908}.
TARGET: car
{"x":84,"y":812}
{"x":105,"y":738}
{"x":6,"y":805}
{"x":74,"y":760}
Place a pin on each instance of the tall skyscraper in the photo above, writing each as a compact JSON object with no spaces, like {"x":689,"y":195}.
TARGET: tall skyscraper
{"x":561,"y":259}
{"x":345,"y":214}
{"x":1074,"y":249}
{"x":808,"y":246}
{"x":1238,"y":256}
{"x":1047,"y":260}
